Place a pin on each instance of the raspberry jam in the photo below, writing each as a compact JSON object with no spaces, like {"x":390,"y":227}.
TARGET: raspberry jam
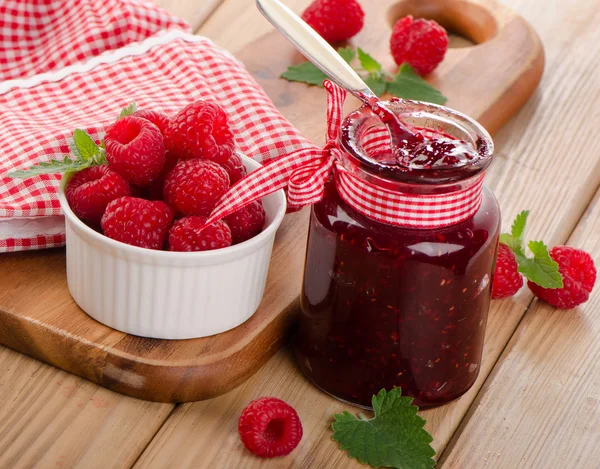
{"x":386,"y":306}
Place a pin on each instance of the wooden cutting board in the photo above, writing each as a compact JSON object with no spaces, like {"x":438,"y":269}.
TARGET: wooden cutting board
{"x":489,"y":81}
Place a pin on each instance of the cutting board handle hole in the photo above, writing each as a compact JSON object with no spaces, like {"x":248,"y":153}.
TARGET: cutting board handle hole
{"x":468,"y":24}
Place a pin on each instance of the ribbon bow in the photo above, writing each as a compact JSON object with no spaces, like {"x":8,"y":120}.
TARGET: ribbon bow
{"x":305,"y":172}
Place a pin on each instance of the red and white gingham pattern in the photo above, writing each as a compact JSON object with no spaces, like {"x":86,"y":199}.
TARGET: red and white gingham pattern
{"x":38,"y":115}
{"x":39,"y":36}
{"x":305,"y":173}
{"x":36,"y":242}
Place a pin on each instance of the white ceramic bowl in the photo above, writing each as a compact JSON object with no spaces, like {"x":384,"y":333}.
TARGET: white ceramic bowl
{"x":169,"y":295}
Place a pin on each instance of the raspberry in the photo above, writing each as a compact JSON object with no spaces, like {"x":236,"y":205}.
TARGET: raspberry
{"x":247,"y":222}
{"x":193,"y":187}
{"x":187,"y":235}
{"x":159,"y":119}
{"x":507,"y":279}
{"x":335,"y":20}
{"x":200,"y":130}
{"x":420,"y":43}
{"x":90,"y":190}
{"x":135,"y":149}
{"x":137,"y":222}
{"x":269,"y":427}
{"x":235,"y":168}
{"x":578,"y":273}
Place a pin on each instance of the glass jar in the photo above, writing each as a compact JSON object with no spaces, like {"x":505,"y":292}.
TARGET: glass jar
{"x":384,"y":306}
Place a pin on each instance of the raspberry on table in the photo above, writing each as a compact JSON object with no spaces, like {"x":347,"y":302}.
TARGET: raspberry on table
{"x":200,"y":130}
{"x":579,"y":276}
{"x":137,"y":222}
{"x":247,"y":222}
{"x":159,"y":119}
{"x":135,"y":149}
{"x":235,"y":168}
{"x":269,"y":427}
{"x":419,"y":42}
{"x":188,"y":234}
{"x":507,"y":279}
{"x":335,"y":20}
{"x":193,"y":187}
{"x":90,"y":190}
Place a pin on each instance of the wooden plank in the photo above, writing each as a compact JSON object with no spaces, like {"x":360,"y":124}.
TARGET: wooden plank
{"x":541,"y":406}
{"x":195,"y":13}
{"x":50,"y":418}
{"x":542,"y":162}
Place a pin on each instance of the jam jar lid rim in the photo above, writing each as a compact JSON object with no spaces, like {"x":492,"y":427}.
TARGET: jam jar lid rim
{"x":485,"y":147}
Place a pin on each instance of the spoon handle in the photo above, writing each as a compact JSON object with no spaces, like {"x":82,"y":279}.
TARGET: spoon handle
{"x":314,"y":47}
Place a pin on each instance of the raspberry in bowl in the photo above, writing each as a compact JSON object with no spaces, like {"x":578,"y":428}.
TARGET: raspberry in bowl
{"x":142,"y":290}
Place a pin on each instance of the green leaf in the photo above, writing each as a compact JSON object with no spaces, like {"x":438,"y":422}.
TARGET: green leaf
{"x":518,"y":227}
{"x":368,"y":63}
{"x":409,"y":85}
{"x":395,"y":437}
{"x":84,"y":145}
{"x":66,"y":165}
{"x":541,"y":269}
{"x":377,"y":84}
{"x":308,"y":73}
{"x":128,"y":110}
{"x":305,"y":72}
{"x":347,"y":53}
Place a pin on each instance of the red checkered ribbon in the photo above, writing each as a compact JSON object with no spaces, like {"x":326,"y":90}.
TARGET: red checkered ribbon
{"x":305,"y":173}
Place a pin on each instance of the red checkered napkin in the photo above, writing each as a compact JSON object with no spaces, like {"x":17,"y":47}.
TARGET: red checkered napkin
{"x":38,"y":116}
{"x":38,"y":36}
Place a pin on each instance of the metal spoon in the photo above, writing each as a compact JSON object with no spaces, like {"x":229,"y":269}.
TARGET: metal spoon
{"x":320,"y":53}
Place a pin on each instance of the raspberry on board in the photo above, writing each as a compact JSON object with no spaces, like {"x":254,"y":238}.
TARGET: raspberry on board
{"x":135,"y":149}
{"x":235,"y":168}
{"x":419,"y":42}
{"x":188,"y":234}
{"x":247,"y":222}
{"x":507,"y":279}
{"x":579,"y":276}
{"x":200,"y":130}
{"x":159,"y":119}
{"x":335,"y":20}
{"x":193,"y":187}
{"x":269,"y":427}
{"x":137,"y":222}
{"x":90,"y":190}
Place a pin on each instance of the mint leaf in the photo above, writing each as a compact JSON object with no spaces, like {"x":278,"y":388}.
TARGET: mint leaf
{"x":305,"y":72}
{"x":518,"y":227}
{"x":395,"y":437}
{"x":368,"y":63}
{"x":409,"y":85}
{"x":377,"y":84}
{"x":541,"y":269}
{"x":347,"y":53}
{"x":85,"y":146}
{"x":310,"y":74}
{"x":66,"y":165}
{"x":128,"y":110}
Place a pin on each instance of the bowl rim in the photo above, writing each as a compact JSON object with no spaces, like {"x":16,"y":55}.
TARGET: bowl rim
{"x":214,"y":254}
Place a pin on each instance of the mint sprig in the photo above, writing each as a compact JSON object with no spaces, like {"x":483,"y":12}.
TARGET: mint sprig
{"x":395,"y":437}
{"x":128,"y":110}
{"x":405,"y":83}
{"x":540,"y":268}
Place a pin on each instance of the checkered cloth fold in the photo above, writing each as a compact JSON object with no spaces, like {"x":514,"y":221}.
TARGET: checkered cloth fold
{"x":306,"y":171}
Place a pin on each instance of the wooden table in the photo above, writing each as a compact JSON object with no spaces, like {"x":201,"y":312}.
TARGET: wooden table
{"x":536,"y":403}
